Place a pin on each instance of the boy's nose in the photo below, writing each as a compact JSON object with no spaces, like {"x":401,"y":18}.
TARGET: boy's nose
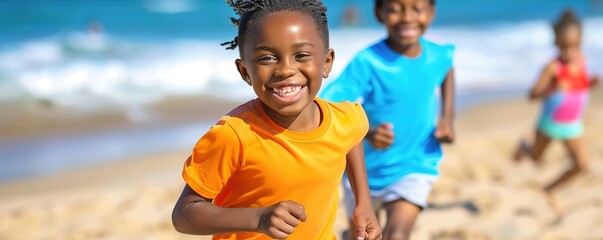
{"x":407,"y":15}
{"x":285,"y":68}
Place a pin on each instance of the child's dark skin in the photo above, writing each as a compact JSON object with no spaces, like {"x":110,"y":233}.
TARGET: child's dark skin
{"x":283,"y":51}
{"x":568,"y":42}
{"x":406,"y":21}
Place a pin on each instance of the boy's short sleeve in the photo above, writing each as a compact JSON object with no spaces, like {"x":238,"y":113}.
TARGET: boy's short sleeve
{"x":363,"y":123}
{"x":351,"y":85}
{"x":442,"y":60}
{"x":449,"y":54}
{"x":214,"y":160}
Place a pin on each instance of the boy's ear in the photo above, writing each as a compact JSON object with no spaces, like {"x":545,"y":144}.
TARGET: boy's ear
{"x":328,"y":63}
{"x":243,"y":71}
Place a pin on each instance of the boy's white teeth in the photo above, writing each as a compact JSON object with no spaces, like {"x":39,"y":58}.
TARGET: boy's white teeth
{"x":287,"y":91}
{"x":409,"y":32}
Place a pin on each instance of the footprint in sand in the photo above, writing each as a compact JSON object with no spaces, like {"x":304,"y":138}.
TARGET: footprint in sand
{"x":486,"y":203}
{"x":525,"y":211}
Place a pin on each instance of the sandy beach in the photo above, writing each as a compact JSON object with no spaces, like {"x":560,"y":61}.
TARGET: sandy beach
{"x":482,"y":193}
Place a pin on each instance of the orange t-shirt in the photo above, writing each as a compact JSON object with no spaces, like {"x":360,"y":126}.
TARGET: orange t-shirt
{"x":247,"y":160}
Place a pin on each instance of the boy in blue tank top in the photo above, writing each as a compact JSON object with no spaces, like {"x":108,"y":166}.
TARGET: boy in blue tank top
{"x":396,"y":81}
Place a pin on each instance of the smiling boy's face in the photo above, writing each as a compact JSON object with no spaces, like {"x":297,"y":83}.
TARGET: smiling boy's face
{"x":405,"y":20}
{"x":285,"y":61}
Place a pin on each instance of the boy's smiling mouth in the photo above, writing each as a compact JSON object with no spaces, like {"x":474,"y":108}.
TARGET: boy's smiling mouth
{"x":408,"y":31}
{"x":287,"y":91}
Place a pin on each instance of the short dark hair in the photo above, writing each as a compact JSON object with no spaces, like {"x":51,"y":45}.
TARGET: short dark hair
{"x":251,"y":10}
{"x":568,"y":19}
{"x":379,"y":3}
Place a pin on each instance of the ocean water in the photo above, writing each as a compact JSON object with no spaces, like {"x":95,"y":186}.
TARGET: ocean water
{"x":89,"y":55}
{"x":152,"y":48}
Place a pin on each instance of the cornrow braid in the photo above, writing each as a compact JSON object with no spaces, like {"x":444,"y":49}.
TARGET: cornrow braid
{"x":250,"y":11}
{"x":233,"y":44}
{"x":234,"y":21}
{"x":241,"y":7}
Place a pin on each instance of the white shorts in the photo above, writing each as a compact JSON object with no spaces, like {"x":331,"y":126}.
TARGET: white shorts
{"x":413,"y":188}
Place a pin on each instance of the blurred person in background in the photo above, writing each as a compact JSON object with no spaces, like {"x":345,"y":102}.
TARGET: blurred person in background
{"x":563,"y":87}
{"x":396,"y":80}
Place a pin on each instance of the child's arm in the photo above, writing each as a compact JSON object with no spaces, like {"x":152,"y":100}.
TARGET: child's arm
{"x":542,"y":88}
{"x":194,"y":214}
{"x":367,"y":226}
{"x":595,"y":80}
{"x":382,"y":137}
{"x":445,"y":130}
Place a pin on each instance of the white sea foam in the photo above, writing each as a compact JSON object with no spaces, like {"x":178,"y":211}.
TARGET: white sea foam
{"x":63,"y":69}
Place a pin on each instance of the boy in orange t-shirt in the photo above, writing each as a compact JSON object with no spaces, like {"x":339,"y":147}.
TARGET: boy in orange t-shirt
{"x":271,"y":167}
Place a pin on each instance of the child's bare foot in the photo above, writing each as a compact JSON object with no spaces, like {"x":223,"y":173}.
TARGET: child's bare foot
{"x":521,"y":151}
{"x":551,"y":198}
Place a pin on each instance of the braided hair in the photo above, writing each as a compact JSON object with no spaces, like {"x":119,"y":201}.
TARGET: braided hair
{"x":568,"y":19}
{"x":250,"y":11}
{"x":379,"y":3}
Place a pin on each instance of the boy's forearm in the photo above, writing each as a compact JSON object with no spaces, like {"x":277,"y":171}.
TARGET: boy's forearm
{"x":204,"y":218}
{"x":447,"y":91}
{"x":356,"y":172}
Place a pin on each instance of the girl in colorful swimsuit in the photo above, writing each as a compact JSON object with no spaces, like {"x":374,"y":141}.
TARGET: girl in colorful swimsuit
{"x":563,"y":86}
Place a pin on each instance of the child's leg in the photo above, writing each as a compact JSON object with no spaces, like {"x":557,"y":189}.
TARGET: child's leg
{"x":533,"y":149}
{"x":578,"y":155}
{"x":403,"y":202}
{"x":540,"y":144}
{"x":401,"y":216}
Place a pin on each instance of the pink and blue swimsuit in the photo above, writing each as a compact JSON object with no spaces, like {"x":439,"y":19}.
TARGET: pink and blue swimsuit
{"x":562,"y":111}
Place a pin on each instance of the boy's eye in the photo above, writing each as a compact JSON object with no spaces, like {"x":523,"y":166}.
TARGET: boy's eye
{"x":392,"y":8}
{"x":302,"y":56}
{"x":267,"y":59}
